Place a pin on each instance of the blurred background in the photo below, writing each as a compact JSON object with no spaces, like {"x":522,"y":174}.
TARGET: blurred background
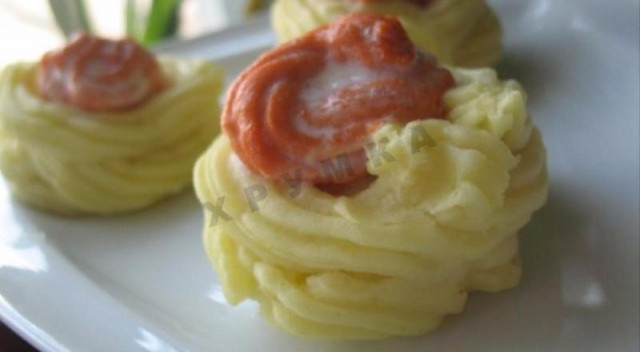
{"x":28,"y":28}
{"x":31,"y":27}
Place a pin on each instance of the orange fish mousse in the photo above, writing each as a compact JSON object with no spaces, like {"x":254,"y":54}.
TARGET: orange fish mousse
{"x":317,"y":99}
{"x":99,"y":75}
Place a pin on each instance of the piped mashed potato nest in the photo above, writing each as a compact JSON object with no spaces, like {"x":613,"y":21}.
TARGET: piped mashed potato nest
{"x":67,"y":160}
{"x":463,"y":33}
{"x":440,"y":220}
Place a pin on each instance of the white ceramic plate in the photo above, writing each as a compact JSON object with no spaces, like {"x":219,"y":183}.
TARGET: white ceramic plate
{"x":143,"y":283}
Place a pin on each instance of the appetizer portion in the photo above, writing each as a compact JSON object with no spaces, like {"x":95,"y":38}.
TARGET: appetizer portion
{"x":463,"y":33}
{"x":102,"y":126}
{"x":360,"y":190}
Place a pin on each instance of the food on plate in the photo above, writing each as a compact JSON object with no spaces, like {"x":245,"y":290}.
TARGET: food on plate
{"x":463,"y":33}
{"x":103,"y":126}
{"x":360,"y":190}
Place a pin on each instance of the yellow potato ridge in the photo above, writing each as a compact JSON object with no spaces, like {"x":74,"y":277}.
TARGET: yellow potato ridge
{"x":441,"y":220}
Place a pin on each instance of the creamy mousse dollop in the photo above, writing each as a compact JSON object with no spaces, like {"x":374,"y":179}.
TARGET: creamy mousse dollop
{"x":317,"y":98}
{"x":97,"y":74}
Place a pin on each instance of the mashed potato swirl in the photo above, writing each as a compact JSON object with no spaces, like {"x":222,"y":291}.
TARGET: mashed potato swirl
{"x":440,"y":220}
{"x":458,"y":32}
{"x":67,"y":160}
